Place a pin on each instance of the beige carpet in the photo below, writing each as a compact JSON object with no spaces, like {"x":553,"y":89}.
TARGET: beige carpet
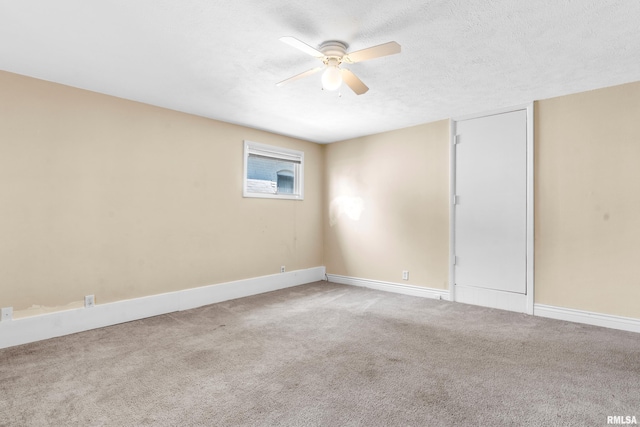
{"x":326,"y":355}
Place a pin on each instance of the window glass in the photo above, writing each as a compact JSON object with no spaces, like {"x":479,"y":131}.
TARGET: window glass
{"x":273,"y":172}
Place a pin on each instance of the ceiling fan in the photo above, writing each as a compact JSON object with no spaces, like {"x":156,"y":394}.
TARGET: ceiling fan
{"x":332,"y":53}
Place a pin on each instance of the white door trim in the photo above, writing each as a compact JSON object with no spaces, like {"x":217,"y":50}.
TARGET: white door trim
{"x":490,"y":300}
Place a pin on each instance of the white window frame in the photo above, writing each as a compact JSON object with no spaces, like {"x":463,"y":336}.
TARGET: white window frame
{"x":277,"y":153}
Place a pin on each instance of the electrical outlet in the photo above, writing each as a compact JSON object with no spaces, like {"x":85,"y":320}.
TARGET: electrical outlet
{"x":89,"y":301}
{"x":282,"y":269}
{"x":6,"y":314}
{"x":405,"y":275}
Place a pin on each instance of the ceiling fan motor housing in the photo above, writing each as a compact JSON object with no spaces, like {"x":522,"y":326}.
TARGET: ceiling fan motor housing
{"x":333,"y":51}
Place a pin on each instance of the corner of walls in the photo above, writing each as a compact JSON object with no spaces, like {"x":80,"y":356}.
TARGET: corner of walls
{"x":386,"y":206}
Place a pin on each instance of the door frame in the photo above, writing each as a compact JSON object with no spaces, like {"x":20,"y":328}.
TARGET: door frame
{"x":496,"y":299}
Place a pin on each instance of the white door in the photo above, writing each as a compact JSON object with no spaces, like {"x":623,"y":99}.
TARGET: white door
{"x":490,"y":210}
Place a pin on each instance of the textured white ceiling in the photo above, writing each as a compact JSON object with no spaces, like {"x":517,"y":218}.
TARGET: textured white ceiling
{"x":222,"y":59}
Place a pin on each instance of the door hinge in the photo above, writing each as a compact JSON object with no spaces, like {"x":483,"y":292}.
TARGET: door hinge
{"x":456,"y":199}
{"x":456,"y":139}
{"x":454,"y":260}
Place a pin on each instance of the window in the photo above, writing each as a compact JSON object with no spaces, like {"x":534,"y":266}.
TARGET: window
{"x":273,"y":172}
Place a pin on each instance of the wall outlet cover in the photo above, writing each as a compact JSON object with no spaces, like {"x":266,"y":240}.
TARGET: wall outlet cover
{"x":89,"y":301}
{"x":6,"y":314}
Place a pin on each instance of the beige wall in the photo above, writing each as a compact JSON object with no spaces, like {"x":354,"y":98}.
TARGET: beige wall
{"x":104,"y":196}
{"x":387,"y":206}
{"x":587,"y":209}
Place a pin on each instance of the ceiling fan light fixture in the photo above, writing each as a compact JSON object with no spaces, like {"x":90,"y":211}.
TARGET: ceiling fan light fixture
{"x":331,"y":78}
{"x":332,"y":53}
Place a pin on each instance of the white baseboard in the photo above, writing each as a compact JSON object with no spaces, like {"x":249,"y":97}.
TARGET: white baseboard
{"x":399,"y":288}
{"x":559,"y":313}
{"x":590,"y":318}
{"x":50,"y":325}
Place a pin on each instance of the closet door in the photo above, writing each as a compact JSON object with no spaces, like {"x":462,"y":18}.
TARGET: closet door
{"x":490,"y":210}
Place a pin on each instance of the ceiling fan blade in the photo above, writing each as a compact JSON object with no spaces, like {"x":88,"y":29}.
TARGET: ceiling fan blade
{"x":353,"y":82}
{"x":292,"y":41}
{"x":374,"y":52}
{"x":301,"y":75}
